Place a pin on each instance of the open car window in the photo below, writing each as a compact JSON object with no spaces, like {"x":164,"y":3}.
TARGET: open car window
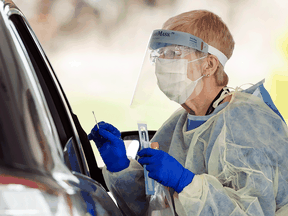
{"x":67,"y":125}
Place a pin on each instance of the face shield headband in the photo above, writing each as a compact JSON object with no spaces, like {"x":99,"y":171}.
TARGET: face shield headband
{"x":163,"y":38}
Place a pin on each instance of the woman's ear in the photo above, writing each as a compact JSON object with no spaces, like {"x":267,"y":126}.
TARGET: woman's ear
{"x":211,"y":64}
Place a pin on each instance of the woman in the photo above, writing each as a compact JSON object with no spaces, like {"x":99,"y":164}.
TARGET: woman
{"x":225,"y":153}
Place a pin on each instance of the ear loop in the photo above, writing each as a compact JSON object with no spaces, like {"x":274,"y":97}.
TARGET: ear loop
{"x":198,"y":60}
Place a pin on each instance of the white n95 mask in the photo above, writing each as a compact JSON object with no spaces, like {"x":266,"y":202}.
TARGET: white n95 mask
{"x":172,"y":78}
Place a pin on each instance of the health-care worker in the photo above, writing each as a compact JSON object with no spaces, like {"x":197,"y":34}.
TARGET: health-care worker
{"x":225,"y":152}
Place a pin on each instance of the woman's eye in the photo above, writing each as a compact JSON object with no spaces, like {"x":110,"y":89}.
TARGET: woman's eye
{"x":177,"y":53}
{"x":153,"y":56}
{"x":169,"y":54}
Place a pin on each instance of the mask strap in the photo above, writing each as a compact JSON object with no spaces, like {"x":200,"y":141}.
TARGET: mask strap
{"x":211,"y":107}
{"x":224,"y":94}
{"x":198,"y":78}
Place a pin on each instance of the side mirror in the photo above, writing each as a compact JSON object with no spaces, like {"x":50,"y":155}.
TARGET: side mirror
{"x":132,"y":142}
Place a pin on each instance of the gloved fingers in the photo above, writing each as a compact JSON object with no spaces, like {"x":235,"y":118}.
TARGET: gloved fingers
{"x":109,"y":136}
{"x":97,"y":138}
{"x":101,"y":125}
{"x":153,"y":168}
{"x":145,"y":160}
{"x":90,"y":136}
{"x":105,"y":148}
{"x":148,"y":152}
{"x":110,"y":128}
{"x":94,"y":134}
{"x":154,"y":160}
{"x":154,"y":174}
{"x":100,"y":141}
{"x":95,"y":128}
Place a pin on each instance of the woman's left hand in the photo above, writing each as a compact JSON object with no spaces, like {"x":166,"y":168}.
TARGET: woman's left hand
{"x":165,"y":169}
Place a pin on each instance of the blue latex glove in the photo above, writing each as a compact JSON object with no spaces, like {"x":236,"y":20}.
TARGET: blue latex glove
{"x":165,"y":169}
{"x":97,"y":138}
{"x":110,"y":145}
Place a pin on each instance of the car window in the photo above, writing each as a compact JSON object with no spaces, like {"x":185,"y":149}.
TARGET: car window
{"x":66,"y":122}
{"x":52,"y":95}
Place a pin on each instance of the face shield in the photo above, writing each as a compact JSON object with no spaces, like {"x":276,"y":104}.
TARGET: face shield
{"x":172,"y":62}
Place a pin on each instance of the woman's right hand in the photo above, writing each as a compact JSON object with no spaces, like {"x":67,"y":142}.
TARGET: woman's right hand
{"x":110,"y":145}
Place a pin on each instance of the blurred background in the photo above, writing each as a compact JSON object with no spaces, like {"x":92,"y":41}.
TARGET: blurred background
{"x":96,"y":48}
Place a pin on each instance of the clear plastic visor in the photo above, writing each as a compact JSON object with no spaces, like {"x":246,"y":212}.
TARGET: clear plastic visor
{"x":146,"y":90}
{"x":166,"y":45}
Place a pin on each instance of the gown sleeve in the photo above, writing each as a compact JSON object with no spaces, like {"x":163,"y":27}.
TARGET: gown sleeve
{"x":128,"y":188}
